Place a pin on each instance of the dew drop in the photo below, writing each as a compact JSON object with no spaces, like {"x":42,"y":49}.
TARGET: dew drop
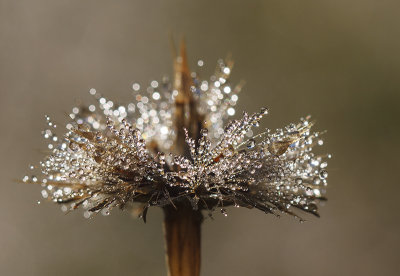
{"x":86,"y":214}
{"x":44,"y":194}
{"x":278,"y":148}
{"x":299,"y":181}
{"x":204,"y":132}
{"x":251,"y":144}
{"x":136,"y":86}
{"x":323,"y":174}
{"x":316,"y":181}
{"x":317,"y":192}
{"x":264,"y":111}
{"x":105,"y":212}
{"x":224,"y":212}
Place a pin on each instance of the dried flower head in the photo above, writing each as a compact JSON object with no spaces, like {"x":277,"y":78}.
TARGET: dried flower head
{"x":169,"y":146}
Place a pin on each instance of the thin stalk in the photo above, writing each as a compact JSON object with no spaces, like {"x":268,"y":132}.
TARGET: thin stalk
{"x":181,"y":223}
{"x":182,"y":232}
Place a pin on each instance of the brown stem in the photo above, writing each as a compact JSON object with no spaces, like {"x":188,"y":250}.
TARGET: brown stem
{"x":186,"y":115}
{"x":182,"y":223}
{"x":182,"y":240}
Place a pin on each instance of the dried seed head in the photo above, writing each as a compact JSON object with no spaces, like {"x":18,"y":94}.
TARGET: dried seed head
{"x":113,"y":155}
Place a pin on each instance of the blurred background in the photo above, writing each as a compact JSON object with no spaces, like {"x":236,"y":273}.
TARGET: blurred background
{"x":337,"y":60}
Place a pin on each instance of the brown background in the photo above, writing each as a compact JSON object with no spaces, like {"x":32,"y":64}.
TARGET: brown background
{"x":337,"y":60}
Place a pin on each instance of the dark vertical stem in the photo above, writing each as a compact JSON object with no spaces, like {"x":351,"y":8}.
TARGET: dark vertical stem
{"x":182,"y":223}
{"x":182,"y":230}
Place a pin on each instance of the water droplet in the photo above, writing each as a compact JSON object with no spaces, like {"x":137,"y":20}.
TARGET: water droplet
{"x":226,"y":70}
{"x":162,"y":156}
{"x":231,"y":111}
{"x":154,"y":84}
{"x":227,"y":90}
{"x":317,"y":192}
{"x":224,"y":212}
{"x":136,"y":86}
{"x":204,"y":132}
{"x":278,"y":148}
{"x":323,"y":174}
{"x":86,"y":214}
{"x":105,"y":212}
{"x":251,"y":143}
{"x":44,"y":194}
{"x":316,"y":181}
{"x":264,"y":111}
{"x":156,"y":96}
{"x":314,"y":162}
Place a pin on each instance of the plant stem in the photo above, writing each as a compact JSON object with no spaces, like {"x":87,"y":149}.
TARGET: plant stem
{"x":182,"y":230}
{"x":182,"y":223}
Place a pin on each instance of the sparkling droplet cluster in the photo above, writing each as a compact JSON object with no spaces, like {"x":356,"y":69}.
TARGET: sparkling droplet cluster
{"x":217,"y":97}
{"x":114,"y":155}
